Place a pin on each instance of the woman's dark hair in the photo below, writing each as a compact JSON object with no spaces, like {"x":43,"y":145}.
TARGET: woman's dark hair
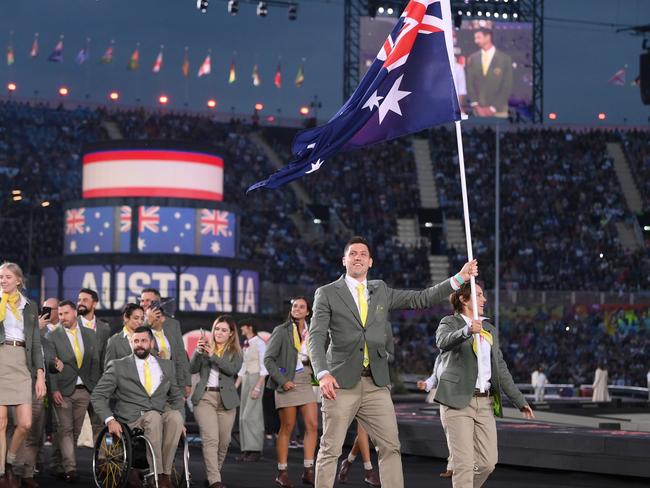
{"x":129,"y":308}
{"x":309,"y":310}
{"x":464,"y":292}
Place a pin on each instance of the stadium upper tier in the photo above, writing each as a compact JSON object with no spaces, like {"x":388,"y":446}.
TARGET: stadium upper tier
{"x":561,"y":199}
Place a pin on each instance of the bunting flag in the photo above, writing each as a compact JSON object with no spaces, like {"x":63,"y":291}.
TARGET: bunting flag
{"x":84,"y":54}
{"x":300,"y":77}
{"x":277,"y":79}
{"x":257,"y":81}
{"x":157,"y":66}
{"x":34,"y":50}
{"x":205,"y":68}
{"x":108,"y":54}
{"x":618,"y":78}
{"x":10,"y":55}
{"x":134,"y":62}
{"x":232,"y":75}
{"x":57,"y":54}
{"x":186,"y":63}
{"x":409,"y":87}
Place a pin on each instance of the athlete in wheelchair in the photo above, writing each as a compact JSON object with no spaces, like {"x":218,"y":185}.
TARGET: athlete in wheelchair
{"x":147,"y":416}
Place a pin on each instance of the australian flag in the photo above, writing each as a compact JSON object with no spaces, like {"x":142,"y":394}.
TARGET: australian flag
{"x":409,"y":87}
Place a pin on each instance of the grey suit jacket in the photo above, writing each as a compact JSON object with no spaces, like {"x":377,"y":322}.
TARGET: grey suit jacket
{"x":457,"y":383}
{"x":336,"y":317}
{"x":117,"y":347}
{"x":229,"y":364}
{"x":89,"y":372}
{"x":33,"y":350}
{"x":120,"y":385}
{"x":493,"y":89}
{"x":172,"y":330}
{"x":281,"y":357}
{"x":103,"y":333}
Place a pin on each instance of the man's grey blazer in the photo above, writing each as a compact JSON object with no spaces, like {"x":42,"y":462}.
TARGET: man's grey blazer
{"x":103,"y":333}
{"x":336,"y":318}
{"x":457,"y":383}
{"x":120,"y":385}
{"x":61,"y":348}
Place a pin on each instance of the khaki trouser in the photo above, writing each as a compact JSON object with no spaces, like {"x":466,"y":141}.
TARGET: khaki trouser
{"x":472,"y":440}
{"x":28,"y":453}
{"x":163,"y":431}
{"x":373,"y":408}
{"x":251,"y":416}
{"x":215,"y":426}
{"x":70,"y":417}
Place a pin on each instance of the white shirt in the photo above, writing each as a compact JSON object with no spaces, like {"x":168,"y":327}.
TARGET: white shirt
{"x":81,"y":346}
{"x":261,"y":350}
{"x":484,"y":363}
{"x":459,"y":77}
{"x":90,"y":324}
{"x":15,"y":328}
{"x":154,"y":368}
{"x":51,"y":327}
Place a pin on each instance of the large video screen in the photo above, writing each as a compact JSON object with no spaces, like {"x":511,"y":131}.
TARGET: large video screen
{"x":494,"y":69}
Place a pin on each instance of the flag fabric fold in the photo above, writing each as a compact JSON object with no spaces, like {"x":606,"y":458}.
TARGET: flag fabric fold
{"x":300,"y":77}
{"x":157,"y":66}
{"x":10,"y":55}
{"x":33,"y":52}
{"x":257,"y":81}
{"x":57,"y":54}
{"x":409,"y":87}
{"x":185,"y":68}
{"x":108,"y":54}
{"x":277,"y":79}
{"x":134,"y":62}
{"x":232,"y":74}
{"x":205,"y":68}
{"x":83,"y":54}
{"x":618,"y":78}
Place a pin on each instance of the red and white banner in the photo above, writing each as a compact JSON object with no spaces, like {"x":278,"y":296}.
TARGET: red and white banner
{"x":152,"y":173}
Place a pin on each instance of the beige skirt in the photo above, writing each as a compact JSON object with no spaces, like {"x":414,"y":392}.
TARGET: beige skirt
{"x":302,"y":394}
{"x":15,"y":378}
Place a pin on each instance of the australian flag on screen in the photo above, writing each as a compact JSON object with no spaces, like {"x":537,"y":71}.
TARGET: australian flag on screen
{"x":409,"y":87}
{"x":91,"y":230}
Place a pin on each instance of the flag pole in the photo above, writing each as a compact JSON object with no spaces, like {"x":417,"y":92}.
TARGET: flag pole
{"x":468,"y":233}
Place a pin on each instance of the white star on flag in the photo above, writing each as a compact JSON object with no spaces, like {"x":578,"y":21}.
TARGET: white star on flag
{"x":96,"y":248}
{"x":141,"y":244}
{"x":177,"y":215}
{"x":73,"y":246}
{"x":373,"y":101}
{"x":315,"y":166}
{"x":165,"y":228}
{"x":106,"y":225}
{"x":177,"y":249}
{"x":188,"y":226}
{"x":391,"y":102}
{"x":215,"y":247}
{"x":97,"y":215}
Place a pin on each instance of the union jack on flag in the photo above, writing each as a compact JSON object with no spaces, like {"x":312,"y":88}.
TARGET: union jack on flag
{"x":408,"y":88}
{"x":149,"y":219}
{"x":75,"y":221}
{"x":125,"y":218}
{"x":215,"y":222}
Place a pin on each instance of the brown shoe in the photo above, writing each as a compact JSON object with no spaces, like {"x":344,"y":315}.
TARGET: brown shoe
{"x":11,"y":481}
{"x":253,"y":457}
{"x":28,"y":483}
{"x":345,"y":469}
{"x":447,"y":474}
{"x":282,"y":479}
{"x":308,"y":476}
{"x":371,"y":478}
{"x":164,"y":481}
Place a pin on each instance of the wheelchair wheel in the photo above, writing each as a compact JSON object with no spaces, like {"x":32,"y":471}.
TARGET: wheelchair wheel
{"x":112,"y":459}
{"x":180,"y":476}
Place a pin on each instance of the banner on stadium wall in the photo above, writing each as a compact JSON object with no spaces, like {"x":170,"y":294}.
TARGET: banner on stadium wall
{"x":199,"y":289}
{"x":152,"y":173}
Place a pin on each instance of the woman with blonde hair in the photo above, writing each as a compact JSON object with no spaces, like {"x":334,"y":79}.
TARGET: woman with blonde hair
{"x":291,"y":376}
{"x":21,"y":360}
{"x":217,"y":359}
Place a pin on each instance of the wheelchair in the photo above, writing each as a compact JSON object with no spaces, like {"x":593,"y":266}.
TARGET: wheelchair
{"x":114,"y":459}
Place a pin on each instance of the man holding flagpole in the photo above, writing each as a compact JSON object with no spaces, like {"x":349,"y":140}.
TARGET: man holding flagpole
{"x":351,"y":318}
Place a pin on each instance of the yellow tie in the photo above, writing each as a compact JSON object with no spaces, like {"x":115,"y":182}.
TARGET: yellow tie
{"x":485,"y":62}
{"x":363,"y":311}
{"x":484,"y":334}
{"x":148,"y":383}
{"x":77,"y":348}
{"x":12,"y":300}
{"x":162,"y":345}
{"x":296,"y":338}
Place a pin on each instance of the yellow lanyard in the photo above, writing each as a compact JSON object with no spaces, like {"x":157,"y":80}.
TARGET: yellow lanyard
{"x":12,"y":300}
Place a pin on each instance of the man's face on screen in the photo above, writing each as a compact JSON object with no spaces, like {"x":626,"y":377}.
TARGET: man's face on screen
{"x":484,"y":41}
